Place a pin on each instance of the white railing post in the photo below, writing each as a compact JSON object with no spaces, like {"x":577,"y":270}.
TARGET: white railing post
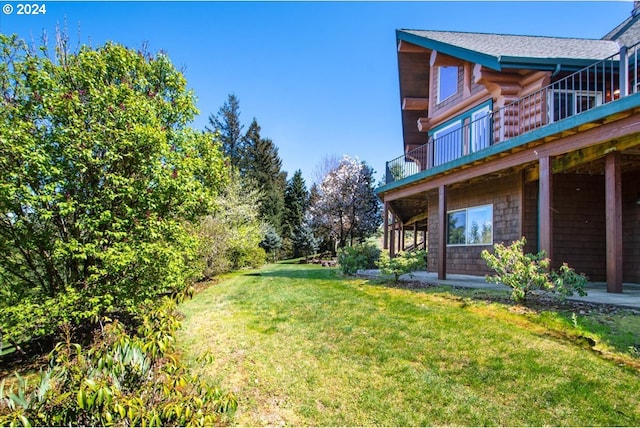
{"x":623,"y":70}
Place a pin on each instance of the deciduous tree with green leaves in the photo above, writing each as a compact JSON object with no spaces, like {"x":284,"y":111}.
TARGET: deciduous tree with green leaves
{"x":100,"y":175}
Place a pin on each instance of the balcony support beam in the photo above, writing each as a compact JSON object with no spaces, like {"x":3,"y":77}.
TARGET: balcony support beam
{"x":385,"y":242}
{"x":442,"y":232}
{"x":392,"y":237}
{"x":545,"y":228}
{"x":613,"y":221}
{"x":417,"y":104}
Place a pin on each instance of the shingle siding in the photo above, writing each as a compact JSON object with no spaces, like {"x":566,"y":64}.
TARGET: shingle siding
{"x":504,"y":194}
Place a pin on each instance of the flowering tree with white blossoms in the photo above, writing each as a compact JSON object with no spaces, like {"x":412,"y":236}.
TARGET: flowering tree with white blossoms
{"x":347,"y":209}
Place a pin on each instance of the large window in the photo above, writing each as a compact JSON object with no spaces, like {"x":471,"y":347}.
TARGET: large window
{"x":480,"y":129}
{"x":447,"y":82}
{"x":567,"y":103}
{"x":447,"y":143}
{"x":470,"y":226}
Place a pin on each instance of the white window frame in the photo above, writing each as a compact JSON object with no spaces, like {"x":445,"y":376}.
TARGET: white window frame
{"x":475,"y":130}
{"x":442,"y":98}
{"x":438,"y":157}
{"x":467,"y":225}
{"x":573,"y":110}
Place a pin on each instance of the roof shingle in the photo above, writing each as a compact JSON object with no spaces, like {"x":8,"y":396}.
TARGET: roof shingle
{"x":526,"y":47}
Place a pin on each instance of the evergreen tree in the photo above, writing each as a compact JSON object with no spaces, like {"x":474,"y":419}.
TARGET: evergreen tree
{"x":227,"y":124}
{"x":296,"y":199}
{"x":304,"y":241}
{"x":272,"y":242}
{"x":262,"y":164}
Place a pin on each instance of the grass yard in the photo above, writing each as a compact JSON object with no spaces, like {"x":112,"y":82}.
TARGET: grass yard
{"x":300,"y":345}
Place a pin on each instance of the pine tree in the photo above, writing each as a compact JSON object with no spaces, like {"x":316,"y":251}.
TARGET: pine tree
{"x":296,"y":199}
{"x":227,"y":124}
{"x":272,"y":242}
{"x":304,"y":242}
{"x":262,"y":164}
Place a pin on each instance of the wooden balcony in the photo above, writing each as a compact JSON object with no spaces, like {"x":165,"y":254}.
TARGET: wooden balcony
{"x":600,"y":93}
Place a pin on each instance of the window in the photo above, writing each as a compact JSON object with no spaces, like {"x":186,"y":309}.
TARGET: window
{"x":480,"y":130}
{"x":467,"y":133}
{"x":470,"y":226}
{"x":447,"y":143}
{"x":563,"y":104}
{"x":447,"y":82}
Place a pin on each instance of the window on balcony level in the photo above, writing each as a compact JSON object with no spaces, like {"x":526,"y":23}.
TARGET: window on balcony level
{"x":480,"y":129}
{"x":447,"y":143}
{"x":565,"y":103}
{"x":447,"y":82}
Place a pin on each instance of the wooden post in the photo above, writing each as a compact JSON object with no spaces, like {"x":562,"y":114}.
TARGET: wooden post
{"x":392,"y":236}
{"x":415,"y":236}
{"x":424,"y":238}
{"x":402,"y":235}
{"x":385,"y":239}
{"x":545,"y":227}
{"x":442,"y":232}
{"x":613,"y":221}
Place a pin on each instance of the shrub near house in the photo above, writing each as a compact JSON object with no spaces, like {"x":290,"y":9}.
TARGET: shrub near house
{"x":526,"y":273}
{"x":402,"y":263}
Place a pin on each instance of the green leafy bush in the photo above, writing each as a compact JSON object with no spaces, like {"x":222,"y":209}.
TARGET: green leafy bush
{"x":525,"y":273}
{"x":123,"y":379}
{"x":402,"y":263}
{"x":359,"y":256}
{"x":101,"y":174}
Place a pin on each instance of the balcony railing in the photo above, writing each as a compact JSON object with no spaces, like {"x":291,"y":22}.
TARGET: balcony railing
{"x":600,"y":83}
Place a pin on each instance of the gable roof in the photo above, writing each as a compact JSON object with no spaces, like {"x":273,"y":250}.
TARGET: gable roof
{"x":500,"y":51}
{"x":628,"y":32}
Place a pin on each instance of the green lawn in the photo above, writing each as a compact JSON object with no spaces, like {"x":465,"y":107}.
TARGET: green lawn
{"x":300,"y":345}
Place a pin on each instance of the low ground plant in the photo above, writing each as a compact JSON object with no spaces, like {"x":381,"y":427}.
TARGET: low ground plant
{"x":124,"y":379}
{"x":527,"y":273}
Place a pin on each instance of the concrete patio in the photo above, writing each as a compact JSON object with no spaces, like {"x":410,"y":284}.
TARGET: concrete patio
{"x":596,"y":291}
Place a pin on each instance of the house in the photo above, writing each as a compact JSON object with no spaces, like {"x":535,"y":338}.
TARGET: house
{"x":508,"y":136}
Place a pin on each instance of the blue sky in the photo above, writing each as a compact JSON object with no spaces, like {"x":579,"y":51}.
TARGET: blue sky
{"x":320,"y":77}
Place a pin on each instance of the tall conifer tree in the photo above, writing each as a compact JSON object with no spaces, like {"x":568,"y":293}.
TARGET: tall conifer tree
{"x":227,"y":123}
{"x":296,"y":198}
{"x":262,"y":165}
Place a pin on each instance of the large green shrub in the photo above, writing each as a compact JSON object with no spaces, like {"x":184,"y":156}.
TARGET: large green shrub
{"x":525,"y":273}
{"x":123,"y":379}
{"x":402,"y":263}
{"x":100,"y":175}
{"x":359,"y":256}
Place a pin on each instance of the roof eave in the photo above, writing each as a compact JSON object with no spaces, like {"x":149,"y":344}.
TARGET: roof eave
{"x":451,"y":50}
{"x":545,"y":64}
